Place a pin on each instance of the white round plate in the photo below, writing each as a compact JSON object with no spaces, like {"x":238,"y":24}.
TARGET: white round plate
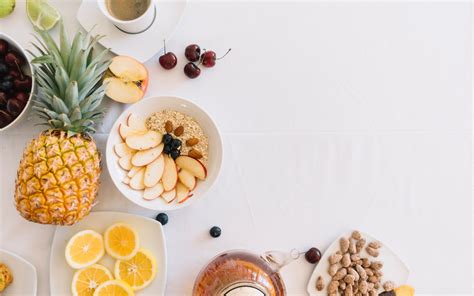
{"x":24,"y":275}
{"x":151,"y":238}
{"x":145,"y":108}
{"x":142,"y":46}
{"x":393,"y":268}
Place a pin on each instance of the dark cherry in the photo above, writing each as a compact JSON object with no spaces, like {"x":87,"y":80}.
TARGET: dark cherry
{"x":14,"y":73}
{"x":209,"y":58}
{"x":23,"y":84}
{"x":22,"y":97}
{"x":192,"y":52}
{"x":13,"y":58}
{"x":3,"y":100}
{"x":168,"y":60}
{"x":5,"y":118}
{"x":14,"y":107}
{"x":3,"y":47}
{"x":313,"y":255}
{"x":191,"y":70}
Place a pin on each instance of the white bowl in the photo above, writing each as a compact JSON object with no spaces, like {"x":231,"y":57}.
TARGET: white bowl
{"x":145,"y":108}
{"x":27,"y":69}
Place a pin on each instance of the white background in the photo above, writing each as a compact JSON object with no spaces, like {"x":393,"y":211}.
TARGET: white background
{"x":334,"y":116}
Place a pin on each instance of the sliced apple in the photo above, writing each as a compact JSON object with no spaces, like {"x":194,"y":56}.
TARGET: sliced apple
{"x":133,"y":171}
{"x":126,"y":180}
{"x":153,"y":192}
{"x":136,"y":122}
{"x":144,"y":157}
{"x":125,"y":162}
{"x":126,"y":131}
{"x":169,"y":196}
{"x":121,"y":149}
{"x":187,"y":179}
{"x":128,"y":80}
{"x":154,"y":171}
{"x":136,"y":182}
{"x":194,"y":166}
{"x":144,"y":141}
{"x":182,"y":192}
{"x":170,"y":174}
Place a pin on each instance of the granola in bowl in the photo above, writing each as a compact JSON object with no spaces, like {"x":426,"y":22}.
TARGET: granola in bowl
{"x":194,"y":141}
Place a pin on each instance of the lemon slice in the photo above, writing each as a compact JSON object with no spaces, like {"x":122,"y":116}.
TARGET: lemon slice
{"x":87,"y":280}
{"x":41,"y":14}
{"x":84,"y":249}
{"x":138,"y":272}
{"x":115,"y":288}
{"x":121,"y":241}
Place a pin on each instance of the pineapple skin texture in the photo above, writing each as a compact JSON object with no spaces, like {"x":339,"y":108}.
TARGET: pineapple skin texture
{"x":58,"y":178}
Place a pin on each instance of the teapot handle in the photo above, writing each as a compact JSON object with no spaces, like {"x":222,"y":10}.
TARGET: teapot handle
{"x":277,"y":259}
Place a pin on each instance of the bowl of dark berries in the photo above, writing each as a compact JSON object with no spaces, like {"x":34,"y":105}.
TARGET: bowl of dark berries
{"x":16,"y":82}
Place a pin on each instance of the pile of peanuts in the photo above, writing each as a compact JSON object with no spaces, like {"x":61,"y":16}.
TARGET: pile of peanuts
{"x":352,"y":275}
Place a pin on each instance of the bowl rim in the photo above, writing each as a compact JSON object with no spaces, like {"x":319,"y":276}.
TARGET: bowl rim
{"x":20,"y":48}
{"x":110,"y":156}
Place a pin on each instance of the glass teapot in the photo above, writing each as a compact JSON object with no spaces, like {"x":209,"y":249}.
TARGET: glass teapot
{"x":241,"y":273}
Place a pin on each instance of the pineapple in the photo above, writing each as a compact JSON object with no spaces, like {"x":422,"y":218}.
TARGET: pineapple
{"x":58,"y":177}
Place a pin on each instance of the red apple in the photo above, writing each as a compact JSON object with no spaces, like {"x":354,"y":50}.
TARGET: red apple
{"x":128,"y":81}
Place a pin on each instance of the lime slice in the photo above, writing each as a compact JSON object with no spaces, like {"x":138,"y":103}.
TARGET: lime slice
{"x":41,"y":14}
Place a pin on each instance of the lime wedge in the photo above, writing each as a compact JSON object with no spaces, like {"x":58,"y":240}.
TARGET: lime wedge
{"x":41,"y":14}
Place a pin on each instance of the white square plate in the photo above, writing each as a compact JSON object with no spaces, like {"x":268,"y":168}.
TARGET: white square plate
{"x":393,"y":268}
{"x":24,"y":275}
{"x":151,"y":238}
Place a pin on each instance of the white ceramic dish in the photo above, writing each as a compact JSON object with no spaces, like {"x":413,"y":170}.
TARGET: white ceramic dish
{"x":142,"y":46}
{"x":151,"y":238}
{"x":24,"y":275}
{"x":145,"y":108}
{"x":27,"y":69}
{"x":393,"y":268}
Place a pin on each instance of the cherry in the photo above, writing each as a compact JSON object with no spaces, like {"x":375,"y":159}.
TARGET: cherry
{"x":13,"y":58}
{"x":14,"y":73}
{"x":5,"y":118}
{"x":191,"y":70}
{"x":14,"y":107}
{"x":3,"y":47}
{"x":313,"y":255}
{"x":23,"y":84}
{"x":168,"y":60}
{"x":209,"y":58}
{"x":22,"y":97}
{"x":3,"y":99}
{"x":192,"y":52}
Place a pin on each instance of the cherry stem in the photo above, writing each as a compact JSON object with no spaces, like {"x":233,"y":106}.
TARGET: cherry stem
{"x":19,"y":70}
{"x":164,"y":45}
{"x":224,"y":54}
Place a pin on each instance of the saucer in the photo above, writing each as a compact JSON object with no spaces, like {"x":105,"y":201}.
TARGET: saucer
{"x":142,"y":46}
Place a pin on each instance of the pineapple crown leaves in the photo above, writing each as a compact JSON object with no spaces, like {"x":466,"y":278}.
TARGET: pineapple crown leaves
{"x":70,"y":80}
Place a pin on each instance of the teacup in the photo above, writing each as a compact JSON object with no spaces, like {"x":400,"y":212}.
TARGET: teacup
{"x":133,"y":19}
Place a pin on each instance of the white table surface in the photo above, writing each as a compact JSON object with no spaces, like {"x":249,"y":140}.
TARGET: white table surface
{"x":334,"y":116}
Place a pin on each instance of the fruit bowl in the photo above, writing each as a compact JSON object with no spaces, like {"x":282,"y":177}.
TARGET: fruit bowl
{"x":144,"y":109}
{"x":26,"y":69}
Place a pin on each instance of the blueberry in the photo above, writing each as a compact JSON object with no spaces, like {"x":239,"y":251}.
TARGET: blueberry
{"x":175,"y":153}
{"x":176,"y":143}
{"x":7,"y":78}
{"x":215,"y":231}
{"x":162,"y":218}
{"x":6,"y":85}
{"x":167,"y":138}
{"x":167,"y":149}
{"x":3,"y":68}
